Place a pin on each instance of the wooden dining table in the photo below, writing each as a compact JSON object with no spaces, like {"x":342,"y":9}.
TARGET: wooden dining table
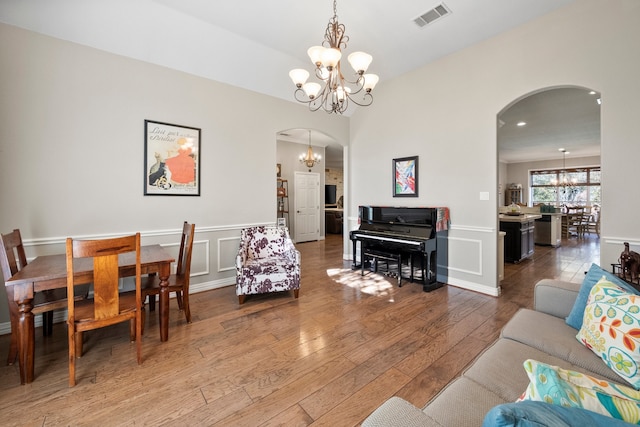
{"x":50,"y":272}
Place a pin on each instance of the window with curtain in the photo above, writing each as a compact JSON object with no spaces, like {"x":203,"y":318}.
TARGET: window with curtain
{"x":578,"y":186}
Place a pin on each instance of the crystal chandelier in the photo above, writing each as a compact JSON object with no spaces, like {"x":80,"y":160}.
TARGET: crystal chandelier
{"x":564,"y":184}
{"x":337,"y":92}
{"x":309,"y":159}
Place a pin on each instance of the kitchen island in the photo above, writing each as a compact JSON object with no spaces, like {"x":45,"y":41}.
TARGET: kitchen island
{"x":519,"y":241}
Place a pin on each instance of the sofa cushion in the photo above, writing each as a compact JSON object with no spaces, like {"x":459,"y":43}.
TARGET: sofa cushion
{"x":462,"y":402}
{"x":594,"y":274}
{"x":499,"y":368}
{"x":398,"y":412}
{"x":568,"y":388}
{"x":495,"y":377}
{"x":611,"y":329}
{"x":533,"y":414}
{"x":553,"y":336}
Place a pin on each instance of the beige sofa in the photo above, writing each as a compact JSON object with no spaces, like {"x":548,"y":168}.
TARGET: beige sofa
{"x":497,"y":376}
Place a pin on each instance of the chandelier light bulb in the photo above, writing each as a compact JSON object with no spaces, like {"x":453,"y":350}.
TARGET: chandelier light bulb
{"x":315,"y":54}
{"x":312,"y":89}
{"x":331,"y":57}
{"x":299,"y":76}
{"x":370,"y":81}
{"x":360,"y":61}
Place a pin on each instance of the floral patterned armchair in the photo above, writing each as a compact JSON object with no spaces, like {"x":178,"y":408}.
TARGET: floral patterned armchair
{"x":267,"y":261}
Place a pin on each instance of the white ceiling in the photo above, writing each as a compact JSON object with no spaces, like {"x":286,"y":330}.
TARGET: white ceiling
{"x":254,"y":43}
{"x":566,"y":118}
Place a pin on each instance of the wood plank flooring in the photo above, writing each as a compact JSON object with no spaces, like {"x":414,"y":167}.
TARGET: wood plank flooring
{"x":328,"y":358}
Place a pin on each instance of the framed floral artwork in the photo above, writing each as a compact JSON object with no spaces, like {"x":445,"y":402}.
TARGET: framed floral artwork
{"x":405,"y":177}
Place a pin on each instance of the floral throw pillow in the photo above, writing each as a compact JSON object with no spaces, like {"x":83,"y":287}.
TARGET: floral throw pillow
{"x":611,"y":329}
{"x":572,"y":389}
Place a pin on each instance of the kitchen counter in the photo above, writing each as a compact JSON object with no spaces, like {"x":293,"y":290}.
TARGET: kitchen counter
{"x":523,"y":218}
{"x":519,"y":238}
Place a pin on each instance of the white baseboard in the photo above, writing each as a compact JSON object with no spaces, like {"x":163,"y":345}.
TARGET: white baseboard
{"x":494,"y":292}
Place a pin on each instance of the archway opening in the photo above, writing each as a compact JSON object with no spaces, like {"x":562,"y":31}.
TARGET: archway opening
{"x":543,"y":134}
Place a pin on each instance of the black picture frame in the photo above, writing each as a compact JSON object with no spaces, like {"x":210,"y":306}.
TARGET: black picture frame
{"x":405,"y":177}
{"x":171,"y":159}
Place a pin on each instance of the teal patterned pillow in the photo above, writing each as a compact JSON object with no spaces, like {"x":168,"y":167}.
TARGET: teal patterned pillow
{"x":572,"y":389}
{"x":611,"y":329}
{"x":595,"y":273}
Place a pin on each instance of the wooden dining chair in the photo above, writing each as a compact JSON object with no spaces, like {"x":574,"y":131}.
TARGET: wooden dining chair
{"x":12,"y":260}
{"x":593,"y":224}
{"x":575,"y":216}
{"x":108,"y":306}
{"x":178,"y":282}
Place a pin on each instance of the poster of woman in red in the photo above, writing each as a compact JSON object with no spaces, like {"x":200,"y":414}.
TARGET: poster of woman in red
{"x":172,"y":161}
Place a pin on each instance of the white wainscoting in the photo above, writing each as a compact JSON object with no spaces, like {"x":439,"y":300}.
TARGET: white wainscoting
{"x":210,"y":269}
{"x":227,"y":251}
{"x":612,"y":247}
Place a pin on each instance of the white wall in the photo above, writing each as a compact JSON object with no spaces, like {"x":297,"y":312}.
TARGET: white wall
{"x":448,"y":118}
{"x":72,"y":141}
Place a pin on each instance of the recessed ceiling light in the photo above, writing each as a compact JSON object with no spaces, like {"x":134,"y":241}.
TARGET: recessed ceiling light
{"x":593,"y":92}
{"x":522,"y":124}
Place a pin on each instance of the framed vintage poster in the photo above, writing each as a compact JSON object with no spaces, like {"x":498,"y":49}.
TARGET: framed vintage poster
{"x":405,"y":177}
{"x":171,"y":159}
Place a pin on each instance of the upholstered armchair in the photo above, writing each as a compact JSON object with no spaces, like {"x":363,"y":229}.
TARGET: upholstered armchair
{"x":267,"y":261}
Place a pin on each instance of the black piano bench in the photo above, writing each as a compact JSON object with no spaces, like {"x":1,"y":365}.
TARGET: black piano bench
{"x":387,"y":257}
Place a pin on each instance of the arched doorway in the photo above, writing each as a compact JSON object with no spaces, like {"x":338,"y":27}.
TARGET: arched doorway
{"x":290,"y":145}
{"x":533,"y":129}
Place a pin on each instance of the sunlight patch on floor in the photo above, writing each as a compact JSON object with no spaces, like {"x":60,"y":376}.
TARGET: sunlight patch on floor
{"x":370,"y":283}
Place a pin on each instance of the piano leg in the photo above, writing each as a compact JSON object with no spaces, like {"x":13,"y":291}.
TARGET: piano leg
{"x":411,"y":266}
{"x":429,"y":276}
{"x":354,"y":265}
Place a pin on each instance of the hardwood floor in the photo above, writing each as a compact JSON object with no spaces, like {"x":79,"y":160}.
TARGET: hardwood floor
{"x":328,"y":358}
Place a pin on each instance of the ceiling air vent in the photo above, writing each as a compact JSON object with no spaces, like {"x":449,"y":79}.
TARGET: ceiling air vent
{"x":432,"y":15}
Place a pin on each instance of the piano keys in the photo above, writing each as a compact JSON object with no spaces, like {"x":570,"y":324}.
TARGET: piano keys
{"x":415,"y":235}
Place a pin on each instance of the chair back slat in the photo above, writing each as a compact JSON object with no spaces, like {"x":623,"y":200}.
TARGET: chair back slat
{"x":106,"y":302}
{"x":183,"y":266}
{"x":12,"y":255}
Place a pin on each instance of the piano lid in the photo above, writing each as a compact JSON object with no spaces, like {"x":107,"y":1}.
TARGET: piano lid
{"x":436,"y":217}
{"x":395,"y":215}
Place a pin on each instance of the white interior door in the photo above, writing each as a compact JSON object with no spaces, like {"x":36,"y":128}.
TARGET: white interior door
{"x":307,"y":206}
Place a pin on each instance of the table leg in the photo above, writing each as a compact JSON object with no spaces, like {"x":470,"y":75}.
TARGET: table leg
{"x":164,"y":302}
{"x":26,"y":341}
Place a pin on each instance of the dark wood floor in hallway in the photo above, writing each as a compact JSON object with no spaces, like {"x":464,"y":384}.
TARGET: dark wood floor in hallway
{"x":328,"y":358}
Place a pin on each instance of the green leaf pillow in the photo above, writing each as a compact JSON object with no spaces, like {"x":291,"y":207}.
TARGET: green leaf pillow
{"x":611,"y":329}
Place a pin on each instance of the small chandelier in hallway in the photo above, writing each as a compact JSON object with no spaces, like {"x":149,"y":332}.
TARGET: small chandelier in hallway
{"x":334,"y":97}
{"x":310,"y":159}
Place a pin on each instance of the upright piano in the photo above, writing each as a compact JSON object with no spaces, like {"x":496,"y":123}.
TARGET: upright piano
{"x":417,"y":235}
